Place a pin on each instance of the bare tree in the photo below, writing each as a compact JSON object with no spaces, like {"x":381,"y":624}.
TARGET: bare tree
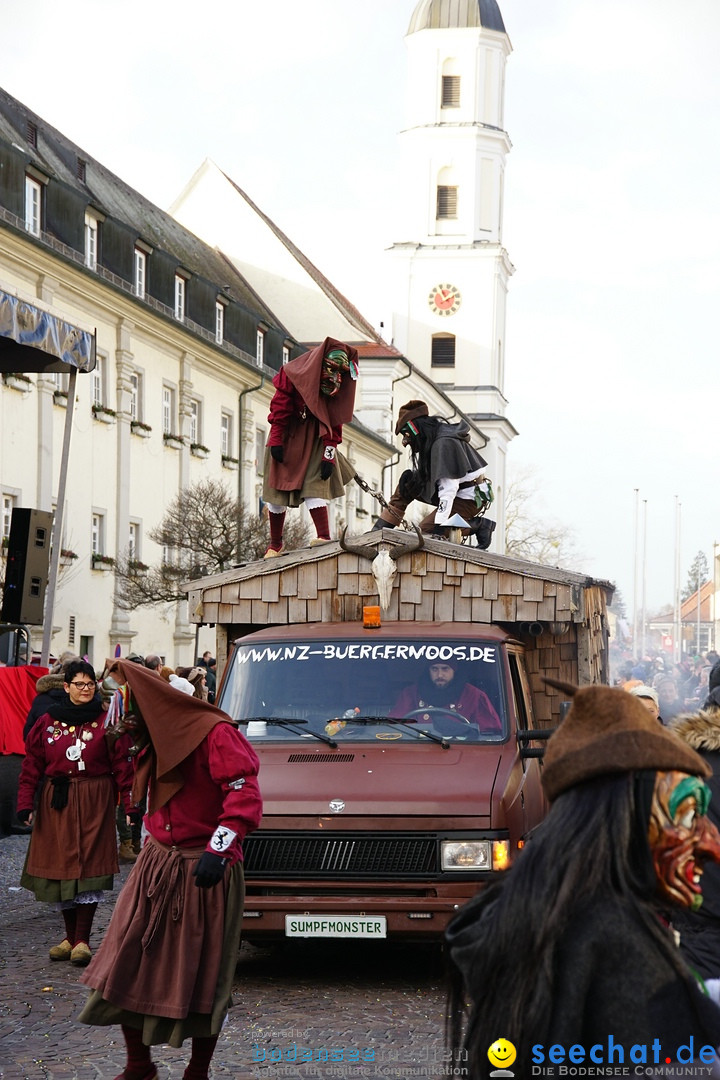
{"x":530,"y":535}
{"x":204,"y":530}
{"x":698,"y":574}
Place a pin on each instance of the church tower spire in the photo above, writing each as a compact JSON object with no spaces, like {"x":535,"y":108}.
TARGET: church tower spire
{"x":449,"y":268}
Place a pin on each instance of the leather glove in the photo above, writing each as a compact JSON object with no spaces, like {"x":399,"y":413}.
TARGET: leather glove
{"x":60,"y":786}
{"x":23,"y":815}
{"x":209,"y":870}
{"x":410,"y":485}
{"x":277,"y":452}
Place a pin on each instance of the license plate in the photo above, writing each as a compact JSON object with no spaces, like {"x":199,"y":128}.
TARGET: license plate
{"x":336,"y":926}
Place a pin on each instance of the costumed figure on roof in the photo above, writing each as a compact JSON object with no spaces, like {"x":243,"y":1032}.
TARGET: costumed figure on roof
{"x":314,"y":397}
{"x":447,"y":472}
{"x":575,"y":944}
{"x":165,"y":968}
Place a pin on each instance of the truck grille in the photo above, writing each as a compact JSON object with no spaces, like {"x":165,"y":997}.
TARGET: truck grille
{"x":351,"y":855}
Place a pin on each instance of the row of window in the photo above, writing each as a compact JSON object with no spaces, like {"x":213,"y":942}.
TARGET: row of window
{"x":169,"y":407}
{"x":97,"y":529}
{"x":93,"y":224}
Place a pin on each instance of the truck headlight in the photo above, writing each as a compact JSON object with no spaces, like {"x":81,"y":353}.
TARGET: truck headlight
{"x":474,"y":854}
{"x":465,"y":855}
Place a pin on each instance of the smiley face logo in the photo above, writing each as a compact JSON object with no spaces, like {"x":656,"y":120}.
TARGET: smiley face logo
{"x":502,"y":1053}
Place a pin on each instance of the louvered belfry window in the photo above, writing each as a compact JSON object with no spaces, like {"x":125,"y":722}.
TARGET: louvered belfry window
{"x":447,"y":201}
{"x":450,"y":91}
{"x":443,"y":350}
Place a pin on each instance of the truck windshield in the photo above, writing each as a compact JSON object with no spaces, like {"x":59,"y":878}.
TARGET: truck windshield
{"x":362,"y":692}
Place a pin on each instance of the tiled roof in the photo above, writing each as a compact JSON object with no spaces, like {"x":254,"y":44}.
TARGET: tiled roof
{"x":58,"y":157}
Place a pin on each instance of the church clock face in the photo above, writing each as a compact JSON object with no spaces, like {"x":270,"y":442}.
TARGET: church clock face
{"x":444,"y":299}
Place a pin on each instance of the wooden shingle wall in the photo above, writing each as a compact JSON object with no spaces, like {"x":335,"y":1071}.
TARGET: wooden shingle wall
{"x":432,"y":584}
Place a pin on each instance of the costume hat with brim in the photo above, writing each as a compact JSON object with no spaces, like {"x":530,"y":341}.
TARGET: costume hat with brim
{"x":410,"y":411}
{"x":607,"y":731}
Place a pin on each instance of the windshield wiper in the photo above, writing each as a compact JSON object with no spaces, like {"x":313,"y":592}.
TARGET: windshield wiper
{"x":418,"y":732}
{"x":281,"y":721}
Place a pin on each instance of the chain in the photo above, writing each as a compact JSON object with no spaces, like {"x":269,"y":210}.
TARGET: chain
{"x":375,"y":494}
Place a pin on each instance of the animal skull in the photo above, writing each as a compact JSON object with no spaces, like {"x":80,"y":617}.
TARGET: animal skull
{"x":384,"y":564}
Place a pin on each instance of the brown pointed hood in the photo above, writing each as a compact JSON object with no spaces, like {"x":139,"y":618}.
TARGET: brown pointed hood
{"x":176,"y":723}
{"x":304,"y":373}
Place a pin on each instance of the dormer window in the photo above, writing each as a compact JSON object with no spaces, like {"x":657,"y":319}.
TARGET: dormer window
{"x":180,"y":285}
{"x":139,"y":273}
{"x":92,"y":233}
{"x":81,"y":170}
{"x":33,"y":206}
{"x":260,"y":347}
{"x":31,"y":134}
{"x":219,"y":322}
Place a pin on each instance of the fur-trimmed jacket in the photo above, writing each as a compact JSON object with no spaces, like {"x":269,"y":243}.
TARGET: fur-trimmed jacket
{"x":50,"y":691}
{"x":700,"y":931}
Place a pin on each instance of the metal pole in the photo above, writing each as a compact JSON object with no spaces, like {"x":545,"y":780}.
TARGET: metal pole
{"x":644,"y":577}
{"x":240,"y":487}
{"x":698,"y":612}
{"x":635,"y":579}
{"x":677,"y":643}
{"x":58,"y":522}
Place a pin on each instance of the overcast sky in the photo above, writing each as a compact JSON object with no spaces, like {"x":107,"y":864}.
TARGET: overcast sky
{"x":611,"y":208}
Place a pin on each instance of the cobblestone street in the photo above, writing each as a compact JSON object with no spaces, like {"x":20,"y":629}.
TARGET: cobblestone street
{"x":308,"y":1009}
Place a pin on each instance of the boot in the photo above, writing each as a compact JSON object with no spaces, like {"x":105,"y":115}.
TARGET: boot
{"x":126,"y":851}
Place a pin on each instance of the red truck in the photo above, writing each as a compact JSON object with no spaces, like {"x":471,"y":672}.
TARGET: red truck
{"x":389,"y":800}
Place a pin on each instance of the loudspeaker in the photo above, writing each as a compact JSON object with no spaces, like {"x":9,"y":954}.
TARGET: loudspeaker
{"x":26,"y":571}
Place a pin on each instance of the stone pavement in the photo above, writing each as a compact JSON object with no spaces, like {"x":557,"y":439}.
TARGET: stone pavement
{"x":308,"y":1009}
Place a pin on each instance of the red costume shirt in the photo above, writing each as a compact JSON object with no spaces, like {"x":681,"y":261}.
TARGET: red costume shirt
{"x":220,"y":789}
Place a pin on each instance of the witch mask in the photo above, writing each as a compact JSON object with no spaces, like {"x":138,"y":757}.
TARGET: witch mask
{"x":335,"y":363}
{"x":681,"y":837}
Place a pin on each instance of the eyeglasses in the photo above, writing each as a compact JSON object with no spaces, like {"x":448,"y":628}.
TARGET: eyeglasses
{"x":83,"y":685}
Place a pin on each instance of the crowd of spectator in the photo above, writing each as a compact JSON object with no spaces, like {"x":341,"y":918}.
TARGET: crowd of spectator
{"x":680,"y":687}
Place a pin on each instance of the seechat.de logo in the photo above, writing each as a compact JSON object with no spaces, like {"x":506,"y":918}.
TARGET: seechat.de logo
{"x":501,"y":1054}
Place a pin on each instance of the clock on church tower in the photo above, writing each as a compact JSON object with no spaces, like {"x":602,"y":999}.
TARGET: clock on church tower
{"x":444,"y":299}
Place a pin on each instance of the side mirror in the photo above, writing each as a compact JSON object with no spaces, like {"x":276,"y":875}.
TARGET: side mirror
{"x":525,"y":736}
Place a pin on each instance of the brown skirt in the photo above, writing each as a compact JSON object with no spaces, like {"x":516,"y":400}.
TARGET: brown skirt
{"x":74,"y":849}
{"x":313,"y":486}
{"x":167,"y":961}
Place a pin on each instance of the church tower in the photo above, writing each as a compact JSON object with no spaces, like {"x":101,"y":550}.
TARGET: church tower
{"x":449,"y":269}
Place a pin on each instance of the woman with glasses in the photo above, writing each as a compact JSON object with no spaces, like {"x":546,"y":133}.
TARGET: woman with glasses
{"x":68,"y":787}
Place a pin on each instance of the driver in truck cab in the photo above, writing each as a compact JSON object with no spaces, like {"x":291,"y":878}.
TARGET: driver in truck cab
{"x":443,"y":690}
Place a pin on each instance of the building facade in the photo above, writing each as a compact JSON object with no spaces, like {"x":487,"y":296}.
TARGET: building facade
{"x":186,"y":351}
